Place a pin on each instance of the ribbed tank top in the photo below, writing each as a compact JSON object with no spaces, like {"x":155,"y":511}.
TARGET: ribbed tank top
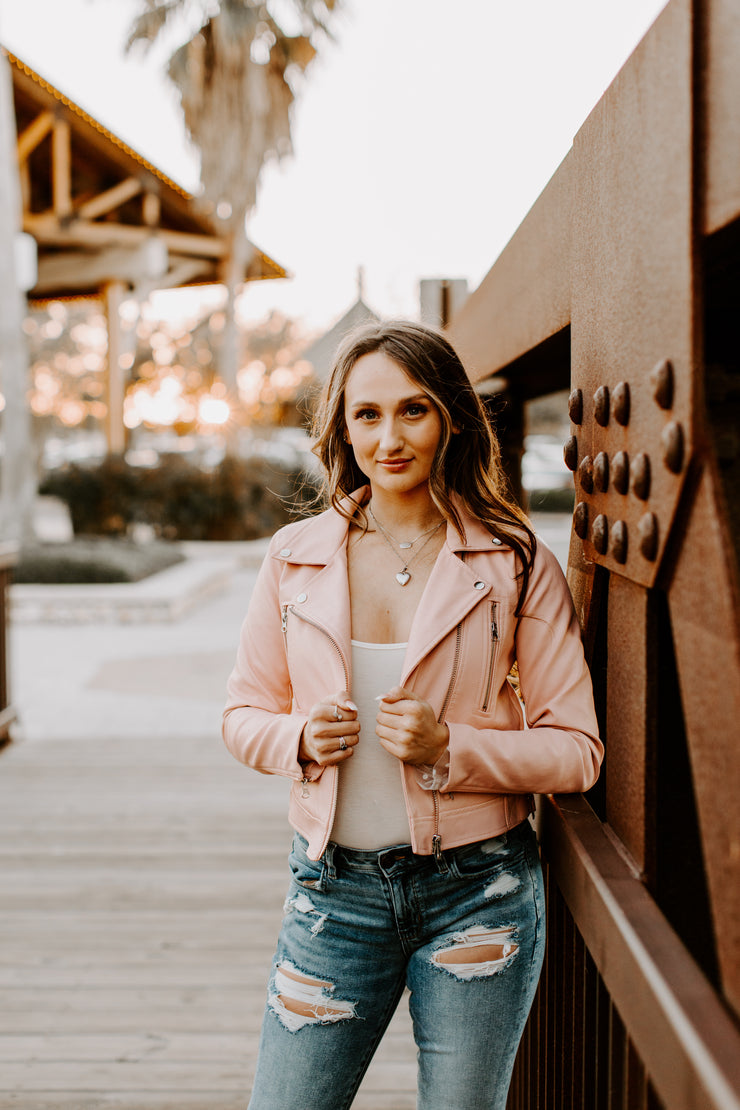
{"x":371,"y":811}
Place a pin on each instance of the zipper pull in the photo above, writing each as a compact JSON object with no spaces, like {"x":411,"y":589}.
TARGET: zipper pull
{"x":437,"y":847}
{"x":304,"y":791}
{"x":284,"y":621}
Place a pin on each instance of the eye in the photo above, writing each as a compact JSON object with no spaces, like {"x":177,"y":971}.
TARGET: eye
{"x":418,"y":408}
{"x":365,"y":414}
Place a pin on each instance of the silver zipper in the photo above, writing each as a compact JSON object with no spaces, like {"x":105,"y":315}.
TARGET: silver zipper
{"x":436,"y":838}
{"x":491,"y":657}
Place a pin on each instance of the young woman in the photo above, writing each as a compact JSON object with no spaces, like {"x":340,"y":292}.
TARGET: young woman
{"x":372,"y":670}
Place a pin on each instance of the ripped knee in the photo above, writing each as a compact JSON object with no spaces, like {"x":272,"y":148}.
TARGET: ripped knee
{"x":478,"y":952}
{"x":300,"y":999}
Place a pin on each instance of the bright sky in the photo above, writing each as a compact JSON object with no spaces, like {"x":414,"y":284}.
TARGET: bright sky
{"x":422,"y":135}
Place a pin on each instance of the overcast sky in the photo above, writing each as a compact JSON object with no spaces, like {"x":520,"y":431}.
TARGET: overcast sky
{"x":422,"y":135}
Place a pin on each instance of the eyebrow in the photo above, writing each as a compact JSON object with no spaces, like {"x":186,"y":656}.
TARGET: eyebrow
{"x":403,"y":401}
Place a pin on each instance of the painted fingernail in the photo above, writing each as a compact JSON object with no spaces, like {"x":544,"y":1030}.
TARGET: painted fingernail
{"x":351,"y":705}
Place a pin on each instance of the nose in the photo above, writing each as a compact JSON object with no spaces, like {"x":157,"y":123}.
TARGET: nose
{"x":390,"y":436}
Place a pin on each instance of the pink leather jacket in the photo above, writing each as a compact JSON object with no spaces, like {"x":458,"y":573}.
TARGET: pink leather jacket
{"x":295,"y":649}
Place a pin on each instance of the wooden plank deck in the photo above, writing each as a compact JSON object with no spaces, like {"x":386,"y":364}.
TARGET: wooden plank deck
{"x":141,"y":889}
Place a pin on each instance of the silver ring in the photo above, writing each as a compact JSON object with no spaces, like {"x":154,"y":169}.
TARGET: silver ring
{"x":337,"y":714}
{"x":342,"y":745}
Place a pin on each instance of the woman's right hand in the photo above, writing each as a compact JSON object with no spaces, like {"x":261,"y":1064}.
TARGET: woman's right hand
{"x":331,"y":731}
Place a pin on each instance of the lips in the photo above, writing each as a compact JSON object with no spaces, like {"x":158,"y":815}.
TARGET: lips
{"x":394,"y":464}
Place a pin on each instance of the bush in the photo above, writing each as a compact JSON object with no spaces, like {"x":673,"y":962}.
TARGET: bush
{"x":93,"y":560}
{"x":551,"y":500}
{"x":239,"y":500}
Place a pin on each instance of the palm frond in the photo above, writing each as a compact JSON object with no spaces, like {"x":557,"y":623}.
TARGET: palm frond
{"x":147,"y":27}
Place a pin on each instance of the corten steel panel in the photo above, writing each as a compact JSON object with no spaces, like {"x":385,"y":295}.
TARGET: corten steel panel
{"x":632,"y":307}
{"x":685,"y":1037}
{"x":630,"y":716}
{"x":722,"y":168}
{"x":703,"y":601}
{"x":525,"y":297}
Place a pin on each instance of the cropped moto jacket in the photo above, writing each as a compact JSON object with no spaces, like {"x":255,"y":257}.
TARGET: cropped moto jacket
{"x":295,"y":650}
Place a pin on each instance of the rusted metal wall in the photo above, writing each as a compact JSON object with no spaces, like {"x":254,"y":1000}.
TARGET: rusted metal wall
{"x":639,"y":278}
{"x":8,"y":559}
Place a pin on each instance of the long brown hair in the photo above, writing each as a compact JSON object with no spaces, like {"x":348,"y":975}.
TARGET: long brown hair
{"x":467,"y":462}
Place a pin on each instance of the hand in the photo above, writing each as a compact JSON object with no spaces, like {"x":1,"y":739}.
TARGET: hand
{"x":331,"y":731}
{"x":408,"y":728}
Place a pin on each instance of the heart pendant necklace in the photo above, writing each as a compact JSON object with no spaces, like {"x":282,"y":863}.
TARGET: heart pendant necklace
{"x":404,"y":576}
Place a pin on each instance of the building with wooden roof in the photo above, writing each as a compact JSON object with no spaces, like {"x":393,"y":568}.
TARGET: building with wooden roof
{"x":106,"y":221}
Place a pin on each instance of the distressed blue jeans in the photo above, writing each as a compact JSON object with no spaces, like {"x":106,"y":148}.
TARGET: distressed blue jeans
{"x":465,"y":934}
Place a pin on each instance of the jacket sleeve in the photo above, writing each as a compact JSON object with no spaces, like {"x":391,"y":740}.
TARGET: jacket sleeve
{"x":559,"y":750}
{"x":259,"y":727}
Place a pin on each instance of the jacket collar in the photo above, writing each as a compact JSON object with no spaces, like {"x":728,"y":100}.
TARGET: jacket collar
{"x":317,"y":540}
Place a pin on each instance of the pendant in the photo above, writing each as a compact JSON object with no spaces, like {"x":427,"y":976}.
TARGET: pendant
{"x":402,"y":577}
{"x":405,"y":546}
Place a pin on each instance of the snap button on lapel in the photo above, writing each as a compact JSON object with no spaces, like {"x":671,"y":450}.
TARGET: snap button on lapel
{"x":301,"y":598}
{"x":285,"y":552}
{"x":496,"y":540}
{"x":479,"y":585}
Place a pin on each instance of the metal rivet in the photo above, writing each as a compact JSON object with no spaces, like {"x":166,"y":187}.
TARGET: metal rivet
{"x":601,"y":472}
{"x":479,"y":585}
{"x":641,"y":476}
{"x":570,"y":452}
{"x":672,"y":440}
{"x":580,"y":520}
{"x":619,"y":541}
{"x":621,"y":472}
{"x":647,"y":529}
{"x":496,"y":540}
{"x":600,"y":534}
{"x":601,"y":406}
{"x":285,"y":552}
{"x":661,"y":379}
{"x":575,"y":406}
{"x":586,"y":474}
{"x":301,"y":598}
{"x":621,"y":403}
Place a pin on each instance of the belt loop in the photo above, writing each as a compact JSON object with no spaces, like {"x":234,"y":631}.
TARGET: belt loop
{"x":329,"y":863}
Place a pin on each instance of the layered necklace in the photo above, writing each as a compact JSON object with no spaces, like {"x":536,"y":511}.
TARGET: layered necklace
{"x":404,"y":575}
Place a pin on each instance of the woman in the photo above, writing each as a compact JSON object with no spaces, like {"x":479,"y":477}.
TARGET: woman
{"x":372,"y":670}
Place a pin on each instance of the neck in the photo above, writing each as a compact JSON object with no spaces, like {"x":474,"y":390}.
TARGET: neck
{"x":405,"y":513}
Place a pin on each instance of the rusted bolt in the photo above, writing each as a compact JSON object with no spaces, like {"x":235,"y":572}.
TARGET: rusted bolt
{"x":647,"y":530}
{"x":601,"y":406}
{"x":621,"y":472}
{"x":601,"y":472}
{"x":575,"y":406}
{"x":641,"y":476}
{"x":586,"y":474}
{"x":600,"y":534}
{"x":619,"y":541}
{"x":661,"y":379}
{"x":672,"y":440}
{"x":570,"y":452}
{"x":621,"y":403}
{"x":580,"y":520}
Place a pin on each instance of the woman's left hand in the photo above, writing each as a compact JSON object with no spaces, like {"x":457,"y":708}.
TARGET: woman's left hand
{"x":408,"y":728}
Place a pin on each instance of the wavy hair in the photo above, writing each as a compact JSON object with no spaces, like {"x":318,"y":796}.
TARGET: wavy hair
{"x":467,"y":464}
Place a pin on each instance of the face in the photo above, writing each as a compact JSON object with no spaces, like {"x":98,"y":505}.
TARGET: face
{"x":393,"y":427}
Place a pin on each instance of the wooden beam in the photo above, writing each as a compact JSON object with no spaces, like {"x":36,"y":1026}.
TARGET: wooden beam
{"x":61,"y":168}
{"x":77,"y":270}
{"x":151,"y":209}
{"x":47,"y":230}
{"x":34,"y":134}
{"x":113,"y":294}
{"x":110,"y":199}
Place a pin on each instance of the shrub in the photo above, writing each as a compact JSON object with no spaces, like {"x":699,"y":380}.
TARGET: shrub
{"x":239,"y":500}
{"x":93,"y":560}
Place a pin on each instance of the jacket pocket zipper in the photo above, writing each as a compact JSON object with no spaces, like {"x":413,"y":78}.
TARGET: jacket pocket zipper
{"x":320,"y":627}
{"x":491,"y":657}
{"x":436,"y":838}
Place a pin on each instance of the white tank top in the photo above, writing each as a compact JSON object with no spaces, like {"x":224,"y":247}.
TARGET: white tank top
{"x":371,"y":811}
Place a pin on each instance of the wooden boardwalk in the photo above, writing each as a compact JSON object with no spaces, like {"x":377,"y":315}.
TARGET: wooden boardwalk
{"x":141,"y":888}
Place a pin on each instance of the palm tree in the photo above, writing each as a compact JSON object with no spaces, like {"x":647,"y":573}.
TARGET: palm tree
{"x":236,"y":80}
{"x":18,"y":482}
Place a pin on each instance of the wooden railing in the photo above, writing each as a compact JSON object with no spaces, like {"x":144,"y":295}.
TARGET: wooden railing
{"x":622,"y":283}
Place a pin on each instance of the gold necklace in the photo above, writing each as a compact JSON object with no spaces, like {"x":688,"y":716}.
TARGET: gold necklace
{"x":404,"y":575}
